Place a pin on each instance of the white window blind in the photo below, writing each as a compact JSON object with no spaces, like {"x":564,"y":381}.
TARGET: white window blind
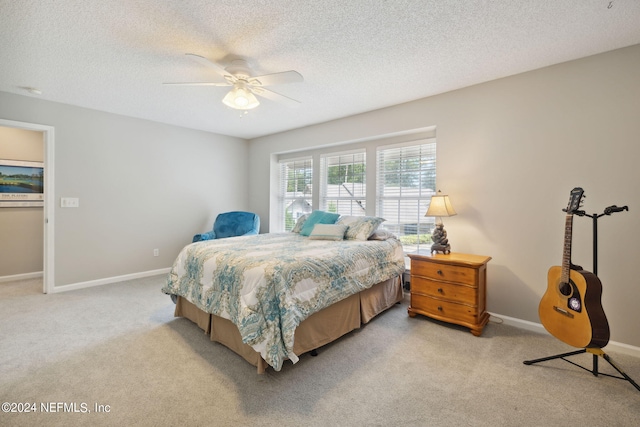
{"x":406,"y":179}
{"x":343,"y":187}
{"x":295,"y":190}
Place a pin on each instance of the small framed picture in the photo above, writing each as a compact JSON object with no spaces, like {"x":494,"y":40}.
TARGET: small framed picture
{"x":21,"y":183}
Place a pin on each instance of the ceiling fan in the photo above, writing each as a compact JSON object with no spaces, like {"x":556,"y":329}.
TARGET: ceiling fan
{"x":245,"y":86}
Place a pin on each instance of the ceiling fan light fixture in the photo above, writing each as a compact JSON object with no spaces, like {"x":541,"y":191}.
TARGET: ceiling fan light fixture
{"x":240,"y":98}
{"x":244,"y":85}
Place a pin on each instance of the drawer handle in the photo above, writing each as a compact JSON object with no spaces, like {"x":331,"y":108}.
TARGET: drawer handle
{"x":439,"y":308}
{"x":440,"y":291}
{"x":439,"y":272}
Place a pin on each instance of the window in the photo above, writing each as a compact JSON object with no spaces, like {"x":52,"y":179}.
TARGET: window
{"x":401,"y":180}
{"x":343,"y":187}
{"x":295,"y":190}
{"x":406,"y":179}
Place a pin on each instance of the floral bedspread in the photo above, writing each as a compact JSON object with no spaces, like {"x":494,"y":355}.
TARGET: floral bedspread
{"x":269,"y":283}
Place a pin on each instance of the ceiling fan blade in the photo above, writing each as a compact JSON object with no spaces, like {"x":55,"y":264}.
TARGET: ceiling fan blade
{"x":277,"y":78}
{"x":269,"y":94}
{"x":199,"y":84}
{"x":215,"y":67}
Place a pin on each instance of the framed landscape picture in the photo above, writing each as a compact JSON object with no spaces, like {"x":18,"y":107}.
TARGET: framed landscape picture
{"x":21,"y":183}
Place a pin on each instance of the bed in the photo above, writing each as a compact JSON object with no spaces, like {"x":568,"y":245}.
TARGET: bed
{"x":275,"y":296}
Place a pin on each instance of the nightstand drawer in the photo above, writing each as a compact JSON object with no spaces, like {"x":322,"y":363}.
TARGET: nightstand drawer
{"x":450,"y":273}
{"x":444,"y":310}
{"x":449,"y":291}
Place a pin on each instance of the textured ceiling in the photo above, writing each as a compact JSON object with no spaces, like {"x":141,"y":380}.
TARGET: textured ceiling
{"x":355,"y":56}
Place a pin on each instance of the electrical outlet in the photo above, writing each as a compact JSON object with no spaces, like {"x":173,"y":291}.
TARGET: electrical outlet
{"x":156,"y":252}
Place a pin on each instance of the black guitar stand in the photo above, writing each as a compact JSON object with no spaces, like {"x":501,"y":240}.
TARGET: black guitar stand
{"x":596,"y":352}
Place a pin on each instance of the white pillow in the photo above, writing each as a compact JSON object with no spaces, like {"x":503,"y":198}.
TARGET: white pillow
{"x":360,"y":227}
{"x":299,"y":223}
{"x":381,"y":234}
{"x":328,"y":232}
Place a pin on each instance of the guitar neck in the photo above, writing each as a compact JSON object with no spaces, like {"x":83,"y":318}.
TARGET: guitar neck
{"x":566,"y":252}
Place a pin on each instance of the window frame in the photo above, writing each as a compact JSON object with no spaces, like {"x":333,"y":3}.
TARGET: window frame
{"x":304,"y":197}
{"x":407,"y":224}
{"x":356,"y":199}
{"x":371,"y":147}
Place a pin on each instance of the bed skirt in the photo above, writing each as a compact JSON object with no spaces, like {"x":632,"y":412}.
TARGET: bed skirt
{"x":319,"y":329}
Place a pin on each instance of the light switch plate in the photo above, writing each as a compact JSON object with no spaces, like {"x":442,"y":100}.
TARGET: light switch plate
{"x":69,"y":202}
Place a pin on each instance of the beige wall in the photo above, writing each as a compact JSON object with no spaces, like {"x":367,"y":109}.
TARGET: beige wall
{"x":509,"y":152}
{"x":141,"y":185}
{"x":21,"y":228}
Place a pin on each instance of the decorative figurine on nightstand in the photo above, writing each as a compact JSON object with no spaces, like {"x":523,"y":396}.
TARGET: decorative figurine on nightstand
{"x":440,"y":206}
{"x":440,"y":241}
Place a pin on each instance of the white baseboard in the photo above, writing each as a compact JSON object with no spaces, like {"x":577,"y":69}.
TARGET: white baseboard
{"x":107,"y":280}
{"x":537,"y":327}
{"x":23,"y":276}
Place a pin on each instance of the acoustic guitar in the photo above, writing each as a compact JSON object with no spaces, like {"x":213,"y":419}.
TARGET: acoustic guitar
{"x":571,"y":308}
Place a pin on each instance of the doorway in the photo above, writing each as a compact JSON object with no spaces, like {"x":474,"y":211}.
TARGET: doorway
{"x":49,"y":199}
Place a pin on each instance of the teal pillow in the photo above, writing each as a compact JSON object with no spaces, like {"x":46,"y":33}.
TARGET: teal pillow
{"x":318,"y":217}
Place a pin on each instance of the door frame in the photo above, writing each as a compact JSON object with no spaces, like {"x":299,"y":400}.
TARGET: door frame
{"x":48,"y":140}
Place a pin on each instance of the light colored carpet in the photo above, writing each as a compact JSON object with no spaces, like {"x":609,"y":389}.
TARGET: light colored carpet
{"x":119,"y":345}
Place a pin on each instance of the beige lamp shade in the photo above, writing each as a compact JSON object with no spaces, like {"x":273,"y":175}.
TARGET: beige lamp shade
{"x":440,"y":206}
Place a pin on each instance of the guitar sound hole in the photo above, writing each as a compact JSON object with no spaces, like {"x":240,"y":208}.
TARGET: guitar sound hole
{"x":565,"y":289}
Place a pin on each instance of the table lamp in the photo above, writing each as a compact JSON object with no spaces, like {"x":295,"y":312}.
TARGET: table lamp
{"x":440,"y":206}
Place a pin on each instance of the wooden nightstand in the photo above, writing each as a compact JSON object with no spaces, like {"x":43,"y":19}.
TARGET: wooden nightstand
{"x":451,"y":288}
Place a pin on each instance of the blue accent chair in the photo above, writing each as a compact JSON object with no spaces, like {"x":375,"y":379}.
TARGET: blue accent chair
{"x":231,"y":224}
